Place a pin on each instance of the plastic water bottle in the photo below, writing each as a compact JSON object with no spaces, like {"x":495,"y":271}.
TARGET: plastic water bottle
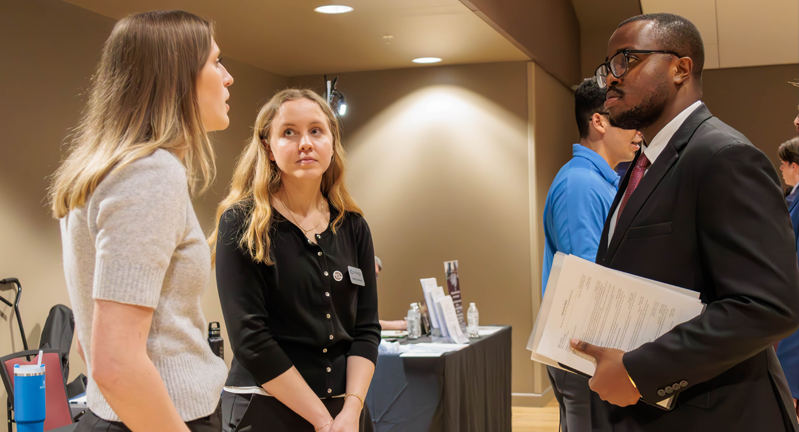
{"x":410,"y":318}
{"x":413,"y":323}
{"x":417,"y":315}
{"x":474,"y":321}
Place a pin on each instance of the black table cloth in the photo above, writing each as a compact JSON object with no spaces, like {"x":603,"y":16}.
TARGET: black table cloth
{"x":461,"y":391}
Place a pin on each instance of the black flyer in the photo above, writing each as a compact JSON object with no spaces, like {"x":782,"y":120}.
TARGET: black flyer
{"x":454,"y":288}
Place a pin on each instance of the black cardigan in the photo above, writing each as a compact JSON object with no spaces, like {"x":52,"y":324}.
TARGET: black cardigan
{"x":303,"y":311}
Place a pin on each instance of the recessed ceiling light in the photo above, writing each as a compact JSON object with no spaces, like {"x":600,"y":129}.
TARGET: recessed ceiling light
{"x":333,"y":9}
{"x":427,"y":60}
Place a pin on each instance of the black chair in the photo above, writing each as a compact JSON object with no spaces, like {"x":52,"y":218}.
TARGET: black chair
{"x":58,"y":412}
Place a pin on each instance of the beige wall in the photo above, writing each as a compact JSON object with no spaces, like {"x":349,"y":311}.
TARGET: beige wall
{"x":598,"y":21}
{"x":50,"y":50}
{"x":759,"y":102}
{"x":552,"y":132}
{"x":546,"y":30}
{"x":438,"y":160}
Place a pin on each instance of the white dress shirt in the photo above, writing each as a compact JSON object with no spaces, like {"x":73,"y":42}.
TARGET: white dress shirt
{"x":653,"y":150}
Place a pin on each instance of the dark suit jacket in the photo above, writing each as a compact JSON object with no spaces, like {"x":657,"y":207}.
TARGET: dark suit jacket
{"x":709,"y":215}
{"x":788,"y":351}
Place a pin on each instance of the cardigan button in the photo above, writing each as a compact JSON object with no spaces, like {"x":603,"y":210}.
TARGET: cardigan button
{"x":328,"y":369}
{"x":329,"y":391}
{"x":319,"y":253}
{"x":324,"y":350}
{"x":331,"y":337}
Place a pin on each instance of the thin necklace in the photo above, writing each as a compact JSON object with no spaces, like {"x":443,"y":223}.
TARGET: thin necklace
{"x":291,"y":213}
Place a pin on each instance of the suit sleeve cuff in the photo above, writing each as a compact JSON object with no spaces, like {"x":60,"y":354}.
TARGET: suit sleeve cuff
{"x":640,"y":373}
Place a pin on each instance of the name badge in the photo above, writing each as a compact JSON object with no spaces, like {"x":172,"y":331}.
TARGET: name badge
{"x":356,"y":276}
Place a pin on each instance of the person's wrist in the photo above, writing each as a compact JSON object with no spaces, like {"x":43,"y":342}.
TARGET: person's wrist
{"x":352,"y":403}
{"x":322,"y":420}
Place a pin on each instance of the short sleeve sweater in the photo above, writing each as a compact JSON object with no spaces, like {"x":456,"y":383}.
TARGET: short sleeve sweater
{"x":137,"y":241}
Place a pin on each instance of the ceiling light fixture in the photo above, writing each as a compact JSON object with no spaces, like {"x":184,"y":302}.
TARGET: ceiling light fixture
{"x":339,"y":104}
{"x":426,"y":60}
{"x":334,"y":9}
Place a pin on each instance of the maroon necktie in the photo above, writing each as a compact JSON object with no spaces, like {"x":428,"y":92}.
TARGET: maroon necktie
{"x":635,"y":178}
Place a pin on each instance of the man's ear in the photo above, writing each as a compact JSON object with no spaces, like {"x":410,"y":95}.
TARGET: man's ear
{"x":597,"y":123}
{"x":683,"y":69}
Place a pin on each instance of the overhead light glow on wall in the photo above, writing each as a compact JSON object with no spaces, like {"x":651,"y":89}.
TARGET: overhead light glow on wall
{"x":334,"y":9}
{"x":426,"y":60}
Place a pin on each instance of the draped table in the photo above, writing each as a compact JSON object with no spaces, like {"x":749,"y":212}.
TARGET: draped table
{"x":460,"y":391}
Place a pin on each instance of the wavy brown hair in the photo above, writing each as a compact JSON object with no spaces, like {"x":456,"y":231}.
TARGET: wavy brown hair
{"x":256,"y":179}
{"x":143,"y":98}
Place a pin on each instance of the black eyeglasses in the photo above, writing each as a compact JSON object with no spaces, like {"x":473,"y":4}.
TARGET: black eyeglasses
{"x":619,"y":64}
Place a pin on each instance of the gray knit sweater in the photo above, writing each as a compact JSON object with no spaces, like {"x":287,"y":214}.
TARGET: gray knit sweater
{"x":137,"y":241}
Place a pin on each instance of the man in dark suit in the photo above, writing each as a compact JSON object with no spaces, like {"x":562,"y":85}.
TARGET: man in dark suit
{"x":700,"y":208}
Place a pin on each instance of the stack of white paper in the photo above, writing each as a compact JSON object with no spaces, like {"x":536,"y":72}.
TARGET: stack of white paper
{"x":430,"y":349}
{"x":604,"y":307}
{"x":448,"y":318}
{"x":488,"y":330}
{"x":432,"y":293}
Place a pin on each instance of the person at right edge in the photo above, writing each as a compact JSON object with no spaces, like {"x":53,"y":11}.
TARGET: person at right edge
{"x":700,"y":208}
{"x":788,"y":348}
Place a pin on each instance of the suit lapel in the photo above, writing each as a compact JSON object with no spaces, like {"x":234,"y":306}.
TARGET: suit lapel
{"x":641,"y":194}
{"x":667,"y":158}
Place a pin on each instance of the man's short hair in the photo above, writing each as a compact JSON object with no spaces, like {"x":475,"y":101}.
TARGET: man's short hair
{"x":588,"y":99}
{"x":789,"y":151}
{"x":675,"y":33}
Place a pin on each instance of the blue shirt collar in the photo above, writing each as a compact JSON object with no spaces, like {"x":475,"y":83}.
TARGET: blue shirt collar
{"x":602,"y":167}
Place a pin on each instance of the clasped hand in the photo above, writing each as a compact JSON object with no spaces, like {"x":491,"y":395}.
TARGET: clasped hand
{"x":610,"y":381}
{"x":348,"y":420}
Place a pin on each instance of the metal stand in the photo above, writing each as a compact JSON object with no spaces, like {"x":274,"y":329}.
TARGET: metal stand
{"x":18,"y":287}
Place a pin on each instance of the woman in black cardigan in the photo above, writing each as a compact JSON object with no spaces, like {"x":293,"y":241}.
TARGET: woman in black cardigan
{"x":296,"y":276}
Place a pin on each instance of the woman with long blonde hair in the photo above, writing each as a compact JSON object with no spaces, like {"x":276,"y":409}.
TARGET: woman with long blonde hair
{"x":295,"y":269}
{"x":135,"y":257}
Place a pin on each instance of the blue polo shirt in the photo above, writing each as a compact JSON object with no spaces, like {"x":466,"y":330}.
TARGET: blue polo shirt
{"x":577,"y":204}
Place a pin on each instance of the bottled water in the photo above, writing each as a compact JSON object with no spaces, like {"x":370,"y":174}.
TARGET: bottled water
{"x":414,"y":322}
{"x":417,"y":315}
{"x":474,"y":321}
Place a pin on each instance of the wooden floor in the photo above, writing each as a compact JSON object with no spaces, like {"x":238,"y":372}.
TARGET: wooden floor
{"x":536,"y":419}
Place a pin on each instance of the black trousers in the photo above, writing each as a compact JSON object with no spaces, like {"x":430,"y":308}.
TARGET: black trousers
{"x":255,"y":413}
{"x":574,"y":397}
{"x":91,"y":423}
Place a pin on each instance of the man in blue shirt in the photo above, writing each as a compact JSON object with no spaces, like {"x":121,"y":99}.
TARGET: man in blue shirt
{"x":574,"y":214}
